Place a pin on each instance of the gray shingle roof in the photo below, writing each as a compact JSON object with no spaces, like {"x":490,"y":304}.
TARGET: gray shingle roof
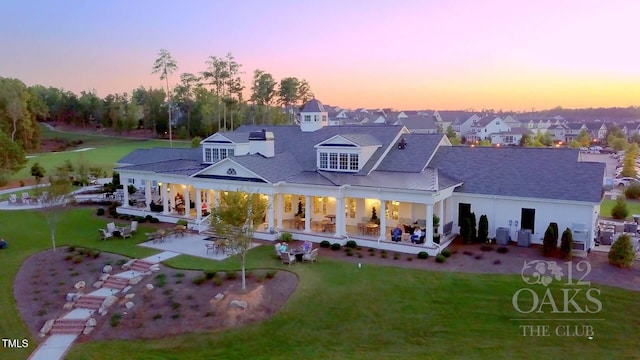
{"x":277,"y":168}
{"x":292,"y":140}
{"x":419,"y":122}
{"x":235,"y":137}
{"x":145,"y":156}
{"x":385,"y":179}
{"x":175,"y":167}
{"x":362,"y":139}
{"x":414,"y":157}
{"x":521,"y":172}
{"x":312,"y":105}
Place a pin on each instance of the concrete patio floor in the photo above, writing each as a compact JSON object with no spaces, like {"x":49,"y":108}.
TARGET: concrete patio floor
{"x":189,"y":244}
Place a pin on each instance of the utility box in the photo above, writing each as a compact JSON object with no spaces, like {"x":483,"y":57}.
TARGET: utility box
{"x":524,"y":238}
{"x":502,"y":236}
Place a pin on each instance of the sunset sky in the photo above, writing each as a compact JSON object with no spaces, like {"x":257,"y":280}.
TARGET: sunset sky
{"x":435,"y":54}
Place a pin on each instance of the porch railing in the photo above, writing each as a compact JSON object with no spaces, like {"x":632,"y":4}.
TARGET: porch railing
{"x":202,"y":224}
{"x":447,"y":228}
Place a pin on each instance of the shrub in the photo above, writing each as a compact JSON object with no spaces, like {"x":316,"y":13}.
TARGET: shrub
{"x":182,"y":222}
{"x":440,"y":258}
{"x":486,"y":247}
{"x":396,"y":256}
{"x":556,"y":232}
{"x":325,"y":244}
{"x":175,"y":305}
{"x":68,"y":257}
{"x":100,"y":212}
{"x":632,"y":191}
{"x":566,"y":244}
{"x":209,"y":274}
{"x":349,"y":252}
{"x":154,"y":220}
{"x":383,"y":255}
{"x":157,"y":316}
{"x":71,"y":249}
{"x":271,"y":274}
{"x":286,"y":237}
{"x":335,"y":246}
{"x":351,"y":244}
{"x":619,"y":210}
{"x":217,"y":281}
{"x":465,"y":230}
{"x":483,"y":229}
{"x":503,"y":250}
{"x":231,"y":275}
{"x":115,"y":319}
{"x":549,"y":242}
{"x":622,"y":253}
{"x":423,"y":255}
{"x":260,"y":278}
{"x":178,"y":275}
{"x":148,"y":217}
{"x":446,"y":253}
{"x":199,"y":280}
{"x":77,"y":259}
{"x":121,"y":262}
{"x":474,"y":229}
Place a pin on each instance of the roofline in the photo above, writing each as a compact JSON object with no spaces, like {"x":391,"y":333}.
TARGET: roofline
{"x":520,"y":198}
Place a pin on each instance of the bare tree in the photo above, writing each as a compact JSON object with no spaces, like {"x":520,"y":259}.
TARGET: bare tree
{"x":54,"y":200}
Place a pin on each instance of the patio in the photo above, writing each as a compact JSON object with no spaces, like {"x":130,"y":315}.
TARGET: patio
{"x":189,"y":244}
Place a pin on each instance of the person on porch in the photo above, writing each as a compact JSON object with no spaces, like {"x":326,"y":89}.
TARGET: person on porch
{"x":396,"y":234}
{"x":417,"y":234}
{"x":205,"y":209}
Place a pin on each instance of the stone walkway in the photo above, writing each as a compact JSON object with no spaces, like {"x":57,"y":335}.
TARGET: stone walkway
{"x":79,"y":320}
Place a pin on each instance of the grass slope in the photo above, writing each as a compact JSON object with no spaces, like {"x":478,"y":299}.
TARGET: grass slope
{"x":339,"y":311}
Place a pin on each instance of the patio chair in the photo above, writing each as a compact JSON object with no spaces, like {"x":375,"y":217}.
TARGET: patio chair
{"x":312,"y":256}
{"x":134,"y":226}
{"x":287,"y":258}
{"x":111,"y":227}
{"x":211,"y":247}
{"x":125,"y":232}
{"x":104,"y":234}
{"x":278,"y":253}
{"x":13,"y":199}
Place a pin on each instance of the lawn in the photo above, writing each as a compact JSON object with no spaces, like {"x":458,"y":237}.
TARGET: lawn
{"x":633,"y":206}
{"x":107,"y":150}
{"x":339,"y":311}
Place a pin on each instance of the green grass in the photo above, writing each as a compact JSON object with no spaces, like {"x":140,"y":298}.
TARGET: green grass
{"x":338,"y":310}
{"x":632,"y":205}
{"x":107,"y":151}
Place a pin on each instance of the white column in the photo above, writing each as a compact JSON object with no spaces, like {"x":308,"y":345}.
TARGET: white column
{"x":339,"y":216}
{"x":270,"y":213}
{"x":280,"y":205}
{"x":147,"y":194}
{"x":164,"y":194}
{"x":187,"y":202}
{"x":125,"y":191}
{"x":307,"y":213}
{"x":441,"y":216}
{"x":383,"y":221}
{"x":428,"y":240}
{"x":198,"y":203}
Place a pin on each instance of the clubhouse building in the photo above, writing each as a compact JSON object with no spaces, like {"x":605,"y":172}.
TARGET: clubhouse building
{"x":360,"y":181}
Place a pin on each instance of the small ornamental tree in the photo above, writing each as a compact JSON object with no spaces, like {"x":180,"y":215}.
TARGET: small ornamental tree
{"x":566,"y":244}
{"x":621,"y":253}
{"x":549,"y":242}
{"x":374,"y":216}
{"x":619,"y":210}
{"x":483,"y":229}
{"x":556,"y":232}
{"x":632,"y":191}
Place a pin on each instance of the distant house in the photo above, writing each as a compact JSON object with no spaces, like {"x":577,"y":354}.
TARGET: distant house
{"x":482,"y":128}
{"x":510,"y":137}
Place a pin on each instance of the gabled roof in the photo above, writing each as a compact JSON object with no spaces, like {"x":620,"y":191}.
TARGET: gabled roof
{"x":414,"y":157}
{"x":145,"y":156}
{"x":174,"y":167}
{"x":313,"y":105}
{"x":484,"y":121}
{"x":362,"y":139}
{"x":455,"y":116}
{"x":233,"y":137}
{"x":274,"y":169}
{"x":289,"y":138}
{"x":521,"y":172}
{"x":425,"y":180}
{"x":415,"y":122}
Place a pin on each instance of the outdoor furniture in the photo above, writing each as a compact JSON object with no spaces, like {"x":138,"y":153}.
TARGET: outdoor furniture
{"x":312,"y":256}
{"x":278,"y":253}
{"x":134,"y":226}
{"x":211,"y":247}
{"x":179,"y":230}
{"x":125,"y":232}
{"x":26,"y":198}
{"x":288,"y":258}
{"x":13,"y":199}
{"x":104,"y":234}
{"x":111,"y":227}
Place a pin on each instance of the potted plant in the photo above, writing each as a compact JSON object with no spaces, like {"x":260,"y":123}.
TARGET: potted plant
{"x":374,"y":216}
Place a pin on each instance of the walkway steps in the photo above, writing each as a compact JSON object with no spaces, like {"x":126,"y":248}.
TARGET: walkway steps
{"x":89,"y":302}
{"x":141,"y":265}
{"x":68,"y":326}
{"x":115,"y":282}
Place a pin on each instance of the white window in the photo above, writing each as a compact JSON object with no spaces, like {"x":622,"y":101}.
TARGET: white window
{"x":230,"y":152}
{"x":207,"y":155}
{"x":131,"y":181}
{"x":307,"y":118}
{"x":344,"y":161}
{"x":353,"y":161}
{"x":215,"y":155}
{"x":333,"y":161}
{"x":316,"y":118}
{"x":323,"y":160}
{"x":324,"y":118}
{"x":223,"y":154}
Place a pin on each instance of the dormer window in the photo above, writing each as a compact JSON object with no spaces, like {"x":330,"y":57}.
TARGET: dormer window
{"x":215,"y":154}
{"x":339,"y":161}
